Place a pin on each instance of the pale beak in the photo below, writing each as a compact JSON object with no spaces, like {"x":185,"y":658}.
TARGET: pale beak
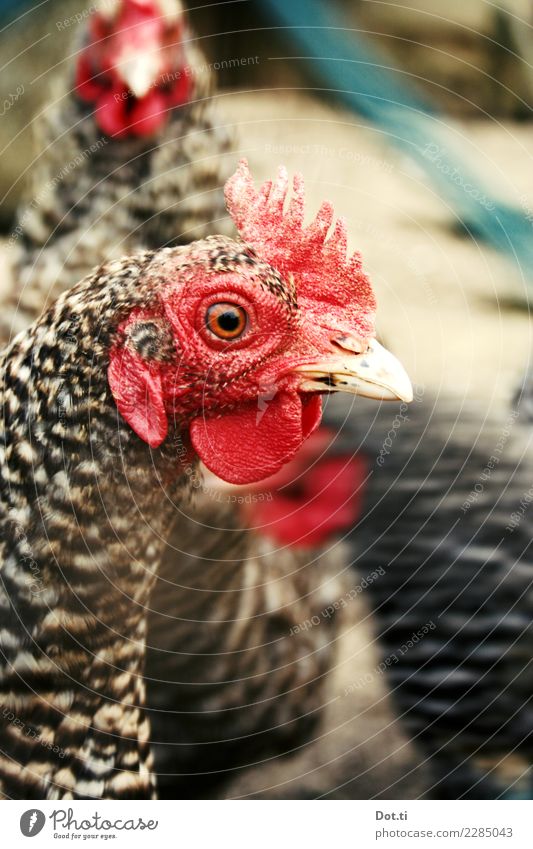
{"x":374,"y":373}
{"x":139,"y":71}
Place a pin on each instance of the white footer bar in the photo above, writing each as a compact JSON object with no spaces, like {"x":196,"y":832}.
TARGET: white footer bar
{"x":269,"y":824}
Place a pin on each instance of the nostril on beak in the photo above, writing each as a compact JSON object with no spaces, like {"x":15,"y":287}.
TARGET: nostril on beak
{"x":349,"y":342}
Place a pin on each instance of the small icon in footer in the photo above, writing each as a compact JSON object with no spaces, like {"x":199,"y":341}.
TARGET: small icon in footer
{"x":32,"y":822}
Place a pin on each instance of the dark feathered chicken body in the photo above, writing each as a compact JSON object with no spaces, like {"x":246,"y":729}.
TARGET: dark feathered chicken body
{"x":447,"y":502}
{"x":238,"y":653}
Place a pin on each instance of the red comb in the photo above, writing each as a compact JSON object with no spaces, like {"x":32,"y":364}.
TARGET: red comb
{"x":322,"y":269}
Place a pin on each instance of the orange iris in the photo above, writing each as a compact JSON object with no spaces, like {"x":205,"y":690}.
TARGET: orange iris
{"x":226,"y":321}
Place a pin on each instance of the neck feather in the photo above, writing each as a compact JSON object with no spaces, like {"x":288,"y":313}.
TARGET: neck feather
{"x":85,"y":509}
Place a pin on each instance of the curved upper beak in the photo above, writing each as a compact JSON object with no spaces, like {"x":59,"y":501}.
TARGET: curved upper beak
{"x":374,"y":373}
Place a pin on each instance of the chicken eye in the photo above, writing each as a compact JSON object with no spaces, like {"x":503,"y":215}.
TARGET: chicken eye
{"x":226,"y":321}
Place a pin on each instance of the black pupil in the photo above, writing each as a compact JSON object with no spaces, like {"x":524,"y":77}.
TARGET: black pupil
{"x":229,"y":321}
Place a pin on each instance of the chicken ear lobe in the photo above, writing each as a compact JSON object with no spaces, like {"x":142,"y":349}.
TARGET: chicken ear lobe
{"x":138,"y":394}
{"x":253,"y":442}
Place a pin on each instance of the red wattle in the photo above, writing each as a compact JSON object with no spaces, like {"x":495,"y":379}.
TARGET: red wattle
{"x":148,"y":114}
{"x":252,"y":442}
{"x":138,"y":394}
{"x":117,"y":118}
{"x":311,"y":414}
{"x":111,"y":114}
{"x":324,"y":501}
{"x":179,"y":93}
{"x":88,"y":87}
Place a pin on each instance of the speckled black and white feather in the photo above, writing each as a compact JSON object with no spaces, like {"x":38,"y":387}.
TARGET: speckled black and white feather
{"x":86,"y":512}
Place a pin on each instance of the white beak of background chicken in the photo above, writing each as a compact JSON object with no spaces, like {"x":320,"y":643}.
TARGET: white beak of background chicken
{"x":139,"y":71}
